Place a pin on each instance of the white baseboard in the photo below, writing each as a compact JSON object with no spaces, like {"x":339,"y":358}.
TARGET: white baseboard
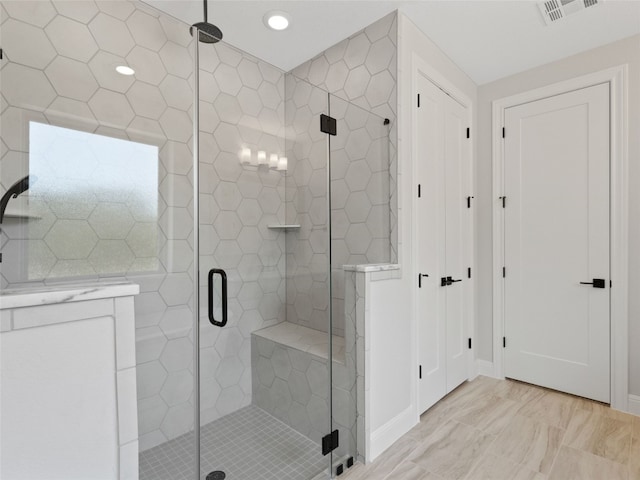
{"x":484,"y":368}
{"x":634,"y":404}
{"x":391,"y":431}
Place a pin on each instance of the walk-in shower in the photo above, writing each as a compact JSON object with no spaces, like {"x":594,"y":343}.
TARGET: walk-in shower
{"x":206,"y":179}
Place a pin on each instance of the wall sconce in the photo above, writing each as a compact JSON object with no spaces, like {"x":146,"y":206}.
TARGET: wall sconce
{"x":262,"y":157}
{"x":245,"y":155}
{"x":273,"y":161}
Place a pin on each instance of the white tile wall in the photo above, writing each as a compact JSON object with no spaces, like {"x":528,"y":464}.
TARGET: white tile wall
{"x":129,"y":461}
{"x":360,"y":73}
{"x":127,"y":405}
{"x":66,"y":70}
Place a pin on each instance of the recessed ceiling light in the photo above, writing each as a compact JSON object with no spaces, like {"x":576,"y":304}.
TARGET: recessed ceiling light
{"x":124,"y":70}
{"x":276,"y":20}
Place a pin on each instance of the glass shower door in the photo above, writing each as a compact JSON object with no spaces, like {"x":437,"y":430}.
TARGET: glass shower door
{"x":264,"y":390}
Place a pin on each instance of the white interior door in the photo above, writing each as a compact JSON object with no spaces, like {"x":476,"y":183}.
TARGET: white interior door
{"x":456,"y":169}
{"x":443,"y":229}
{"x":431,"y":253}
{"x":557,"y":236}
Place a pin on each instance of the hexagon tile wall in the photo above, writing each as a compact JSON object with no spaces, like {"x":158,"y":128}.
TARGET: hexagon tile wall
{"x":59,"y":69}
{"x":360,"y":74}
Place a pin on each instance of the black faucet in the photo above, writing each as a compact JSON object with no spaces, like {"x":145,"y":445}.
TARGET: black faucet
{"x":16,"y":189}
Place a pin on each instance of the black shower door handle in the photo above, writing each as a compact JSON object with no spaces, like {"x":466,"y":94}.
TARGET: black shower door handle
{"x":223,"y":275}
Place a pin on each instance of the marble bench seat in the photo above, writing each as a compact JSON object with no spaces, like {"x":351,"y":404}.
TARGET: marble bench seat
{"x":304,"y":339}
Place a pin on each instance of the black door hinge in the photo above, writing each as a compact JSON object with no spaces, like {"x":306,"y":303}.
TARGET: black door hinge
{"x":1,"y":54}
{"x":468,"y":132}
{"x":469,"y":272}
{"x":469,"y":344}
{"x":330,"y":442}
{"x":504,"y":272}
{"x":504,"y":132}
{"x":328,"y":125}
{"x":469,"y":202}
{"x":504,"y":342}
{"x":420,"y":371}
{"x":418,"y":100}
{"x":419,"y":191}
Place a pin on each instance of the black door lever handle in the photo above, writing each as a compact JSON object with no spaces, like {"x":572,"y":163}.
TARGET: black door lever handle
{"x":420,"y":275}
{"x":597,"y":283}
{"x":447,"y":281}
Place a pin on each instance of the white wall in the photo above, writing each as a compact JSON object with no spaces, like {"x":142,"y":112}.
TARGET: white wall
{"x":390,"y":369}
{"x":622,"y":52}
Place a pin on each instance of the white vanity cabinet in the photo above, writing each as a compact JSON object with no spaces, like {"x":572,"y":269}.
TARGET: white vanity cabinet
{"x":68,"y":383}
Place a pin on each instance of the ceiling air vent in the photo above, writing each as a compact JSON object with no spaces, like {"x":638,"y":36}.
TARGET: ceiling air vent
{"x":554,"y":10}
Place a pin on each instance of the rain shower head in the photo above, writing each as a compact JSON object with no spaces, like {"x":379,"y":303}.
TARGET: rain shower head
{"x":209,"y":33}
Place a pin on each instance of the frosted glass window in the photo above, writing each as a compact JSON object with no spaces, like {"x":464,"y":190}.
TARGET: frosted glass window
{"x":97,"y":199}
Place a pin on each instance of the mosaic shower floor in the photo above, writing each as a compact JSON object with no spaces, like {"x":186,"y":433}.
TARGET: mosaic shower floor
{"x":248,"y":444}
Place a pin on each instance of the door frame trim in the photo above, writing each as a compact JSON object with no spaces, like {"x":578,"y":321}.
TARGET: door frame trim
{"x":420,"y":67}
{"x":617,"y":77}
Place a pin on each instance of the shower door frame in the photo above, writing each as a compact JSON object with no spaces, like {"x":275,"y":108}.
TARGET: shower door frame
{"x":196,"y":250}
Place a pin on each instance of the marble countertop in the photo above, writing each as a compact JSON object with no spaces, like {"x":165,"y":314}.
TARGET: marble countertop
{"x":65,"y":293}
{"x":372,"y":267}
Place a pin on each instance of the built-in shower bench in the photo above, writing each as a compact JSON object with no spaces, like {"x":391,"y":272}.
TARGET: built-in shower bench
{"x":290,"y":379}
{"x":304,"y":339}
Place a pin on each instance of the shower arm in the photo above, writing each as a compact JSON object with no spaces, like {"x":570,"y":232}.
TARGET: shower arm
{"x":16,"y":189}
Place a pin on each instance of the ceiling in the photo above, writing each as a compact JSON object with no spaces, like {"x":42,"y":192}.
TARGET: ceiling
{"x":487,"y":39}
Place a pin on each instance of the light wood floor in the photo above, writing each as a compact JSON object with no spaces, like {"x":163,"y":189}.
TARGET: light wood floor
{"x":507,"y":430}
